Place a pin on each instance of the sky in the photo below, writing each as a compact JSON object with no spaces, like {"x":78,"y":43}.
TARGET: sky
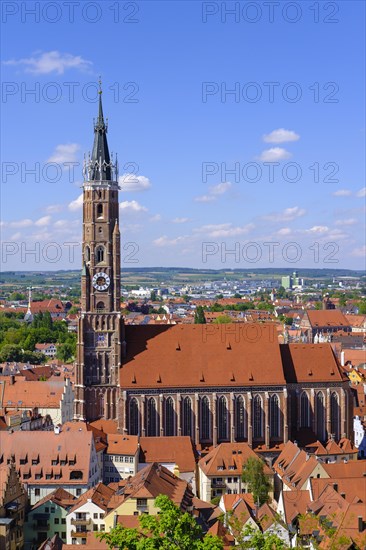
{"x":239,"y":129}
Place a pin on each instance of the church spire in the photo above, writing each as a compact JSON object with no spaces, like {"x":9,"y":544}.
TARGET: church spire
{"x":100,"y":159}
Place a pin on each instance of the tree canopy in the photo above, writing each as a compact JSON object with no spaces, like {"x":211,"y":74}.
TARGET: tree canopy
{"x":172,"y":529}
{"x":258,"y":482}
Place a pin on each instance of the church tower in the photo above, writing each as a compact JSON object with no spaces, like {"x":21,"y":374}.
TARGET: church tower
{"x":100,"y":327}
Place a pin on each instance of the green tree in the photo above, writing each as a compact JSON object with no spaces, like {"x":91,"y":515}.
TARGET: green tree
{"x":73,"y":310}
{"x":10,"y":352}
{"x":222,"y":319}
{"x":258,"y":482}
{"x":250,"y":538}
{"x":219,"y":297}
{"x":171,"y":529}
{"x":199,"y":316}
{"x":16,"y":296}
{"x":153,"y":295}
{"x":362,"y":307}
{"x":65,"y":352}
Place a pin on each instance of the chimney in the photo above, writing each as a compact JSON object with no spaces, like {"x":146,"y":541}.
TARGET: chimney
{"x":360,"y":524}
{"x":342,"y":358}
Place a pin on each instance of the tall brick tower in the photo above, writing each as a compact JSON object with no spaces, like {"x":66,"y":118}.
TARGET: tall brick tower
{"x":100,"y":328}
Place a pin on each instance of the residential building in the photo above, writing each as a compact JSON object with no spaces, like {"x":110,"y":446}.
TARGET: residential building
{"x":13,"y":503}
{"x":220,"y":471}
{"x":120,"y":459}
{"x":47,"y":518}
{"x":87,"y":514}
{"x":49,"y":350}
{"x":51,"y":397}
{"x":137,"y":494}
{"x":46,"y":460}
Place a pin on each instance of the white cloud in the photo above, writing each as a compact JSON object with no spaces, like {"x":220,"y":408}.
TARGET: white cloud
{"x":165,"y":241}
{"x":180,"y":220}
{"x":77,"y":203}
{"x":361,"y":192}
{"x":342,"y":193}
{"x":284,"y":231}
{"x":64,"y":153}
{"x":45,"y":220}
{"x":220,"y":188}
{"x":131,"y":182}
{"x":286,"y":215}
{"x":359,"y":252}
{"x":155,"y":218}
{"x":274,"y":154}
{"x":205,"y":198}
{"x":51,"y":62}
{"x":349,"y":221}
{"x":16,"y":236}
{"x":318,"y":229}
{"x":281,"y":136}
{"x":52,"y":208}
{"x":132,"y":207}
{"x":224,"y":230}
{"x":21,"y":223}
{"x":214,"y":191}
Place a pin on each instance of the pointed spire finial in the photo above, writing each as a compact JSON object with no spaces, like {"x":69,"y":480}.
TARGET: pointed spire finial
{"x":100,"y":85}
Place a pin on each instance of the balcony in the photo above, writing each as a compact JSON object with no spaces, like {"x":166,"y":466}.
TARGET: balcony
{"x":219,"y":484}
{"x":81,"y":534}
{"x":41,"y":526}
{"x":81,"y":522}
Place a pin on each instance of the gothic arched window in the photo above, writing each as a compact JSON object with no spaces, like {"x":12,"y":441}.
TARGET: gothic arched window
{"x":100,"y":305}
{"x":240,"y":418}
{"x":134,"y":416}
{"x":99,"y":254}
{"x":99,"y":210}
{"x":87,"y":254}
{"x":320,"y":416}
{"x":257,"y":417}
{"x":205,"y":419}
{"x":169,"y":417}
{"x":222,"y":418}
{"x":274,"y":416}
{"x":334,"y":414}
{"x":187,"y":416}
{"x":151,"y":418}
{"x":304,"y":410}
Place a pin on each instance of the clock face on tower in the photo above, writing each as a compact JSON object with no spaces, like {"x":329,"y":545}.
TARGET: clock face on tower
{"x":101,"y":281}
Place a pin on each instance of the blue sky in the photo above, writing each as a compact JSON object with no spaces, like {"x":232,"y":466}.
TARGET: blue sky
{"x":206,"y":183}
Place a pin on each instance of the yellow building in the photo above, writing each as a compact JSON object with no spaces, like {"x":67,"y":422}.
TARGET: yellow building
{"x":136,"y":496}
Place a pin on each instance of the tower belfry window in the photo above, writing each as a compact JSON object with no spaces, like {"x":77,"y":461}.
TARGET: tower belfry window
{"x":100,"y":210}
{"x":99,"y":254}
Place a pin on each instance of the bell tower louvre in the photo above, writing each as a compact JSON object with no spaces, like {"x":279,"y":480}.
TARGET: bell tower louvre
{"x":100,"y":328}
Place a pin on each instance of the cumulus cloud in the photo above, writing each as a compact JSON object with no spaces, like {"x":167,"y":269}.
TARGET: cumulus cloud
{"x":342,"y":193}
{"x":274,"y":154}
{"x":205,"y":198}
{"x":165,"y":241}
{"x":132,"y":207}
{"x":50,"y":62}
{"x":77,"y":203}
{"x":286,"y":215}
{"x":52,"y":208}
{"x":281,"y":136}
{"x":224,"y":230}
{"x":155,"y":218}
{"x":180,"y":220}
{"x":318,"y":229}
{"x":349,"y":221}
{"x":284,"y":231}
{"x":131,"y":182}
{"x":361,"y":192}
{"x":359,"y":252}
{"x":214,"y":192}
{"x":64,"y":153}
{"x":45,"y":220}
{"x":21,"y":223}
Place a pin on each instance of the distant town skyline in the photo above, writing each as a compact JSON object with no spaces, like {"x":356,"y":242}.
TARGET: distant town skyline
{"x":240,"y":136}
